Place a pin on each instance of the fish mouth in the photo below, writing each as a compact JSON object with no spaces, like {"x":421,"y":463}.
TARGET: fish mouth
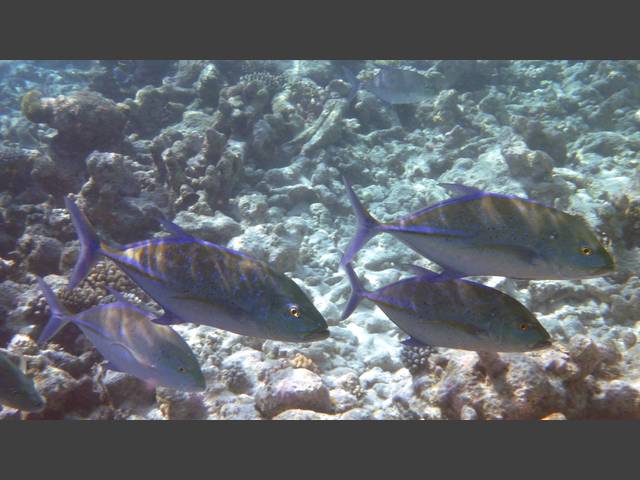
{"x":542,"y":344}
{"x":318,"y":335}
{"x":609,"y":268}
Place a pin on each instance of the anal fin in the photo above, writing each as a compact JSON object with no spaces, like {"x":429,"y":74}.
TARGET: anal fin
{"x":413,"y":343}
{"x":168,"y":318}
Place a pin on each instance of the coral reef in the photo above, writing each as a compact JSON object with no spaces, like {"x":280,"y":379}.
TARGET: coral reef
{"x":249,"y":155}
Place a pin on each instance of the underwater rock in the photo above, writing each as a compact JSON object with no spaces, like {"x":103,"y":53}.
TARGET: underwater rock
{"x":538,"y":137}
{"x":176,"y":405}
{"x":113,"y":199}
{"x":525,"y":163}
{"x":585,"y":353}
{"x":64,"y":393}
{"x":127,"y":391}
{"x":241,"y":105}
{"x":155,"y":108}
{"x":42,"y":253}
{"x":521,"y":391}
{"x":15,"y":165}
{"x":616,"y":400}
{"x":252,"y":208}
{"x":85,"y":120}
{"x":302,"y":414}
{"x":217,"y":229}
{"x":326,"y":130}
{"x":293,"y":389}
{"x":208,"y":85}
{"x":280,"y":248}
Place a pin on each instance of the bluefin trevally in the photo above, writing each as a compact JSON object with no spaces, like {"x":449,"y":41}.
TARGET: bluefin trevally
{"x":453,"y":313}
{"x":17,"y":390}
{"x":200,"y":282}
{"x":395,"y":86}
{"x":479,"y":233}
{"x":130,"y":342}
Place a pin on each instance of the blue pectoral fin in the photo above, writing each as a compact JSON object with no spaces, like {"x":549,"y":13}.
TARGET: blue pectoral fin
{"x":412,"y":342}
{"x":168,"y":318}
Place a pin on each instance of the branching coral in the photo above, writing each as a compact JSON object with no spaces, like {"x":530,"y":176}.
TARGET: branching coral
{"x":416,"y":359}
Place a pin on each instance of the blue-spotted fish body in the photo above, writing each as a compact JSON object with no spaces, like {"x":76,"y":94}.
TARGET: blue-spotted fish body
{"x":454,"y":314}
{"x":128,"y":339}
{"x":478,"y":233}
{"x":200,"y":282}
{"x":17,"y":390}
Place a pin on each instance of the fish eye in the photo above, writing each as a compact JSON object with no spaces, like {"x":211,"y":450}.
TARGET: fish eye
{"x":294,"y":311}
{"x":586,"y":251}
{"x":553,"y":235}
{"x":524,"y":327}
{"x":182,"y":369}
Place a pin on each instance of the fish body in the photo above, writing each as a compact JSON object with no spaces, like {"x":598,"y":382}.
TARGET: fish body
{"x":393,"y":85}
{"x":478,"y":233}
{"x":200,"y":282}
{"x":17,"y":390}
{"x":454,"y":313}
{"x":128,"y":339}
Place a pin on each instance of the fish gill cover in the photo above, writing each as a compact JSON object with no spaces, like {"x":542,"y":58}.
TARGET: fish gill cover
{"x":250,"y":155}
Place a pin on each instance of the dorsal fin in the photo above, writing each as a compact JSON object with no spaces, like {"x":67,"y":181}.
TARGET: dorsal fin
{"x":458,"y":190}
{"x":173,"y":228}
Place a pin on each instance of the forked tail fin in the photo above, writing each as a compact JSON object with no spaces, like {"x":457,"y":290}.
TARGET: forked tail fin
{"x":357,"y":292}
{"x":367,"y":226}
{"x":59,"y":315}
{"x":89,"y":244}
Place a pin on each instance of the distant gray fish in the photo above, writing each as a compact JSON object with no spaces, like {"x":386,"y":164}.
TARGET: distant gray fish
{"x":128,"y":339}
{"x":453,"y":313}
{"x":16,"y":389}
{"x":393,"y":85}
{"x":479,"y":233}
{"x":200,"y":282}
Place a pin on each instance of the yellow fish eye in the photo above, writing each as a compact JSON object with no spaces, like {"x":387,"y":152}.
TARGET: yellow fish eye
{"x":294,"y":311}
{"x":524,"y":327}
{"x":586,"y":251}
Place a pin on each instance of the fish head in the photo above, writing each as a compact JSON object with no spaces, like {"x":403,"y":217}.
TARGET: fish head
{"x":17,"y":388}
{"x":290,"y":315}
{"x":178,"y":367}
{"x":25,"y":397}
{"x":520,"y":331}
{"x":576,"y":251}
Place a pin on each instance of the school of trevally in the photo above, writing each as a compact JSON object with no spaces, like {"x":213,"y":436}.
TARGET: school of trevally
{"x":319,"y":240}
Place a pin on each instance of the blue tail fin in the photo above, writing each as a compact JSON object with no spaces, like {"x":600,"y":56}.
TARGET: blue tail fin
{"x":89,"y":244}
{"x":353,"y":80}
{"x":59,"y":315}
{"x":357,"y":292}
{"x":366,"y":228}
